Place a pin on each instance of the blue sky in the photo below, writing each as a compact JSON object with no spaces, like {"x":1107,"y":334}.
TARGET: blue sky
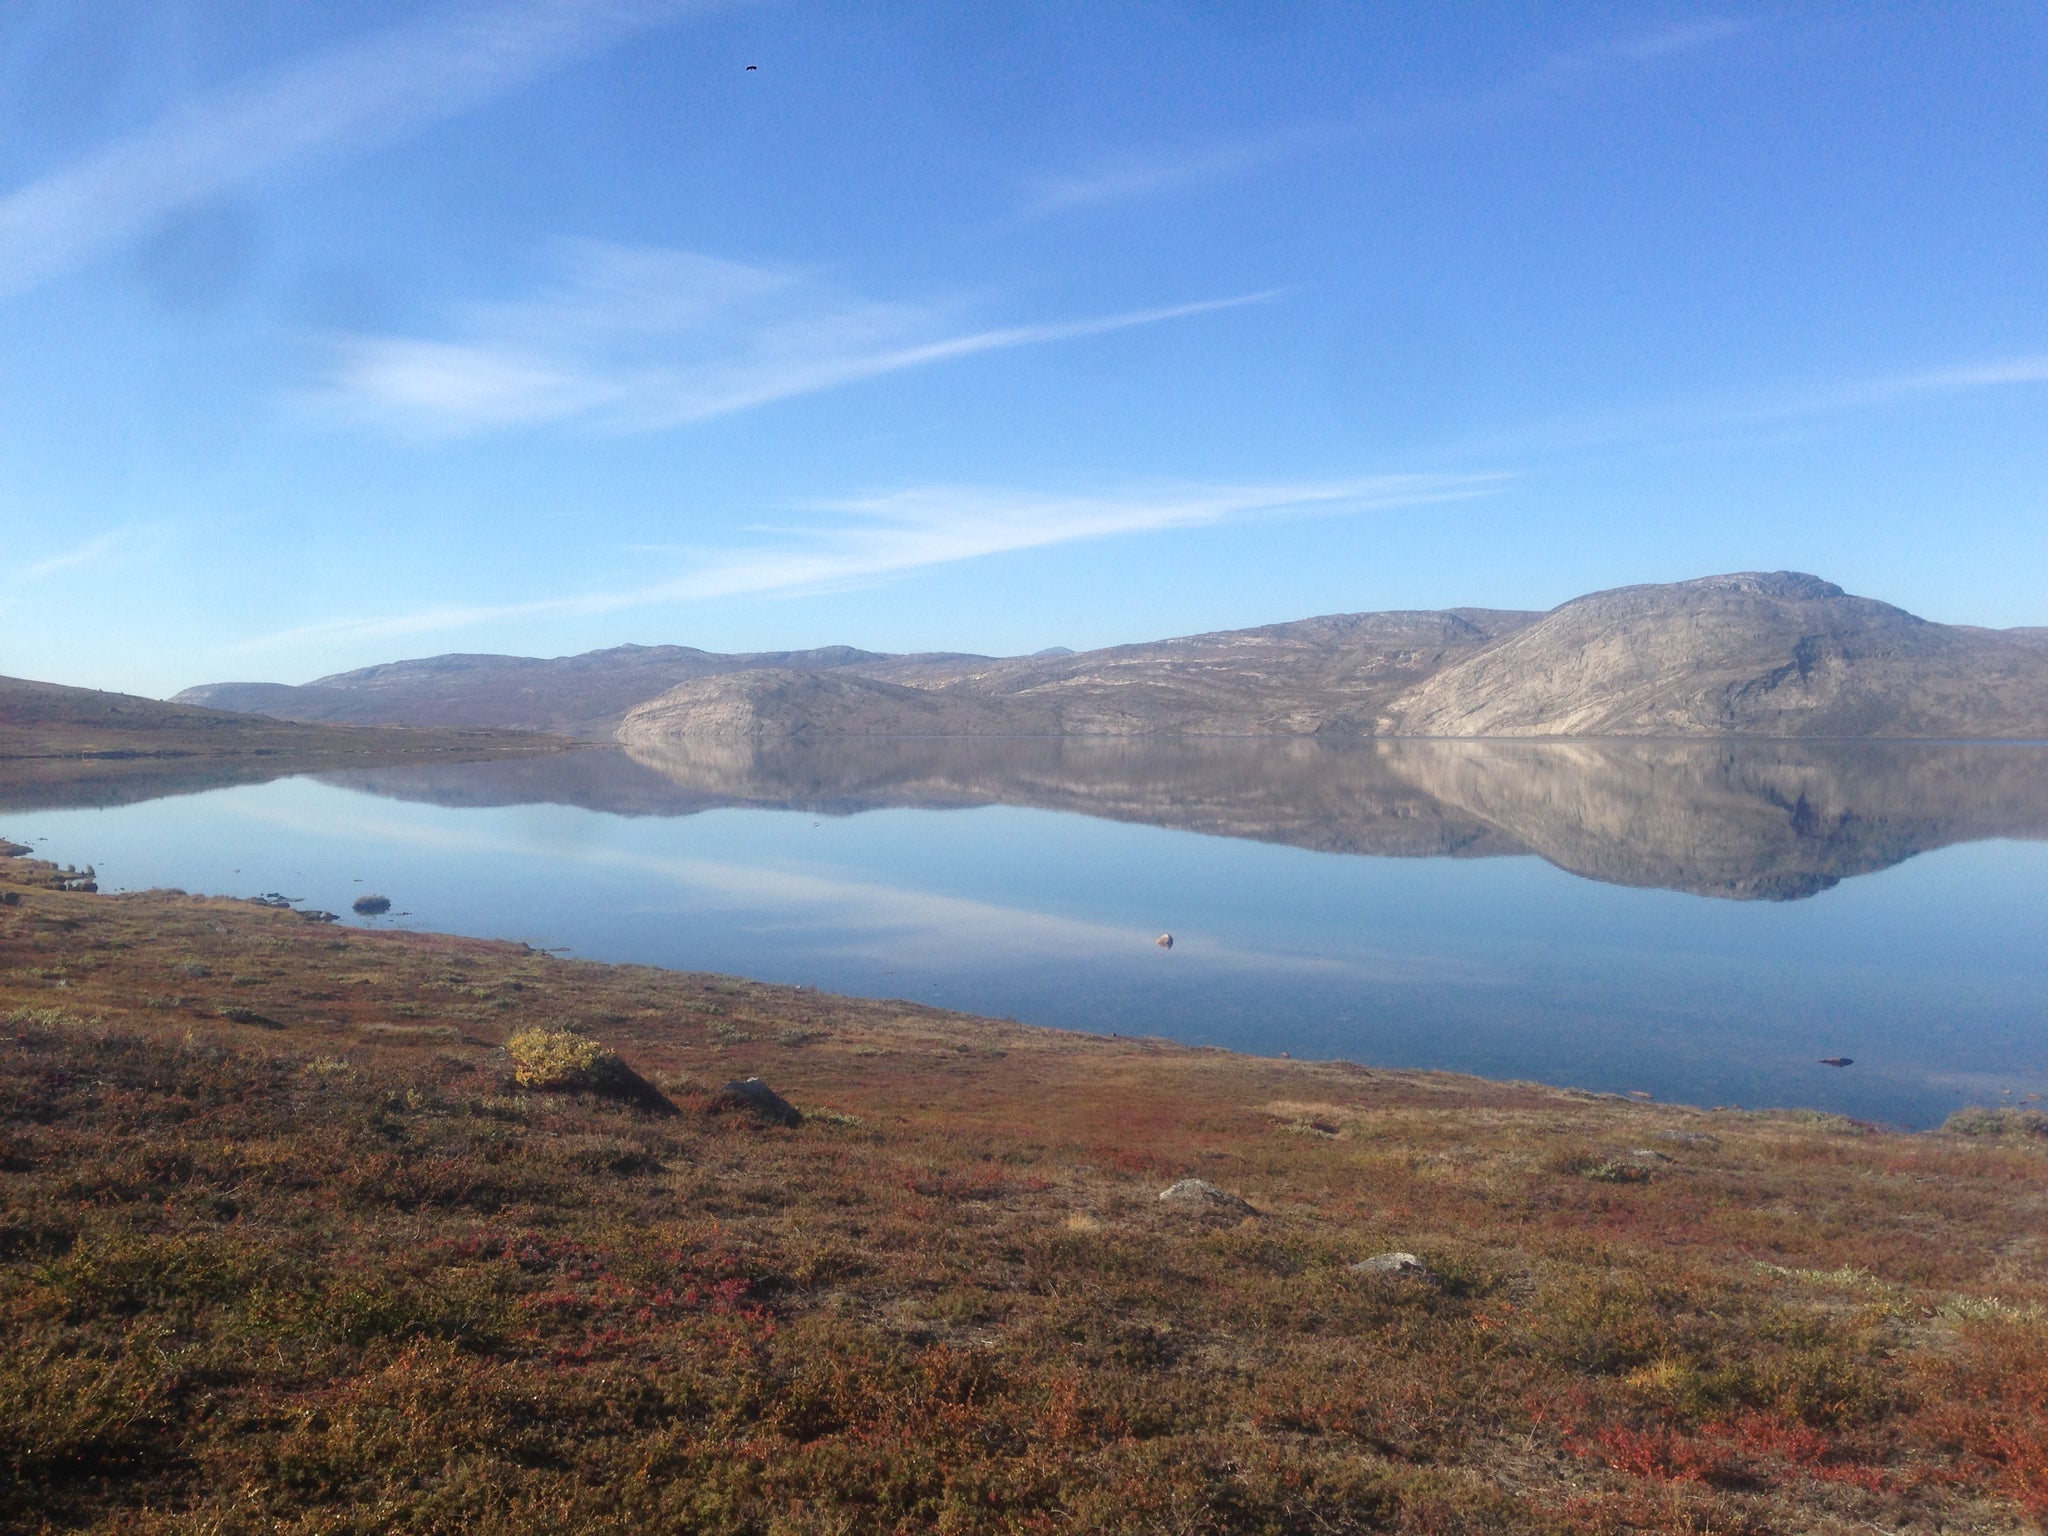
{"x":334,"y":334}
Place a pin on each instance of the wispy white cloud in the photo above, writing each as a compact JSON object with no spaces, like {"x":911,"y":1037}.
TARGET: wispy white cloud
{"x":84,"y":554}
{"x":1140,"y":172}
{"x":1657,"y":43}
{"x":1953,"y":379}
{"x":878,"y":537}
{"x":636,"y":340}
{"x":352,"y":98}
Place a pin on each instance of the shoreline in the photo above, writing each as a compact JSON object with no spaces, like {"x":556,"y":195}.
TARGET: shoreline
{"x":968,"y":1016}
{"x":300,"y":1228}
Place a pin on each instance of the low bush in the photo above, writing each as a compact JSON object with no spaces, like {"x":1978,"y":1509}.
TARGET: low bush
{"x":563,"y":1061}
{"x":2002,"y":1121}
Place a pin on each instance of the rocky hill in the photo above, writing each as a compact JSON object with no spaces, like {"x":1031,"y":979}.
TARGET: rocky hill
{"x":773,"y":702}
{"x":1751,"y":654}
{"x":1334,"y":675}
{"x":1777,"y":654}
{"x":582,"y":695}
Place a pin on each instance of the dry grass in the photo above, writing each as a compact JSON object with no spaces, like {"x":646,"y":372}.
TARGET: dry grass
{"x":333,"y":1274}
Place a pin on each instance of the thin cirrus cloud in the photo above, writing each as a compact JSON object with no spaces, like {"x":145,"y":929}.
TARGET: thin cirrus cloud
{"x":87,"y":553}
{"x":1132,"y":174}
{"x":633,"y":339}
{"x":878,"y":537}
{"x":1681,"y":421}
{"x":360,"y":96}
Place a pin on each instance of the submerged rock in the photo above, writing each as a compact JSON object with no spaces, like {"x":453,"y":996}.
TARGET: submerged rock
{"x":750,"y":1093}
{"x":1201,"y":1195}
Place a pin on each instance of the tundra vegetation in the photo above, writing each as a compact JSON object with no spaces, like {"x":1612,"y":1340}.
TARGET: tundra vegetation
{"x":314,"y":1229}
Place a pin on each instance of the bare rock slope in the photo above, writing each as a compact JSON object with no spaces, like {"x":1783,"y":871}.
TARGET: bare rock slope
{"x":1334,"y":675}
{"x":1751,"y":654}
{"x":1754,"y":654}
{"x":773,"y":702}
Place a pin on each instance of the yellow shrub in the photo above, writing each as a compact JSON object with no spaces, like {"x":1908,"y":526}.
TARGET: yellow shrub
{"x":559,"y":1059}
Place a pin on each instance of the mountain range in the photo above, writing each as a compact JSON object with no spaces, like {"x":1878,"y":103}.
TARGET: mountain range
{"x":1768,"y":654}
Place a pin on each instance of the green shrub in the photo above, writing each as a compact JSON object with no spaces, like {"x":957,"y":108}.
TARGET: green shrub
{"x":1980,"y":1120}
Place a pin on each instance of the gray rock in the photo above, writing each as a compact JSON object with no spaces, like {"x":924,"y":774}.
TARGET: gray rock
{"x":750,"y":1093}
{"x":1757,"y":653}
{"x":1201,"y":1195}
{"x":1398,"y":1266}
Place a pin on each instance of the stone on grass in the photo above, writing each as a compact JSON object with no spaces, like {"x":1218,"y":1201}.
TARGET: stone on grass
{"x":1688,"y":1138}
{"x":1397,"y":1266}
{"x":1201,"y":1195}
{"x":750,"y":1093}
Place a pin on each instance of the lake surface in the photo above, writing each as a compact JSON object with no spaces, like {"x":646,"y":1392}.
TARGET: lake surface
{"x":1699,"y":922}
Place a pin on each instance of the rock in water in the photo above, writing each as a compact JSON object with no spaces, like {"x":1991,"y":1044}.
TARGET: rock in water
{"x":751,"y":1093}
{"x":371,"y":906}
{"x":1201,"y":1195}
{"x":1164,"y":941}
{"x":1838,"y":1061}
{"x":1399,"y":1266}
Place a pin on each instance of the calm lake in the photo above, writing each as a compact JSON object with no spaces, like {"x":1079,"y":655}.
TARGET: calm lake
{"x":1698,"y":922}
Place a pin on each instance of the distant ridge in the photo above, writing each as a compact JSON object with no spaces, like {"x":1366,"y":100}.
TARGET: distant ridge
{"x":79,"y":746}
{"x":1747,"y":654}
{"x":583,"y":695}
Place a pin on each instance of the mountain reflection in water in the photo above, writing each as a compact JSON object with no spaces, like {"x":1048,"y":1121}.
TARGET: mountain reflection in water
{"x":1454,"y":949}
{"x":1750,"y":820}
